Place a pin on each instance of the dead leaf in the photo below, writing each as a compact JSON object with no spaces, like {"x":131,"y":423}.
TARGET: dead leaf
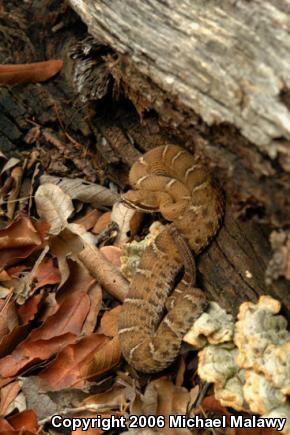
{"x":69,"y":318}
{"x":58,"y":331}
{"x":211,"y":404}
{"x":255,"y":431}
{"x":20,"y":233}
{"x":30,"y":72}
{"x":79,"y":279}
{"x":63,"y":246}
{"x":162,"y":397}
{"x":31,"y":353}
{"x":25,"y":420}
{"x":54,"y":206}
{"x":24,"y":288}
{"x":103,"y":360}
{"x":7,"y":396}
{"x":89,"y":220}
{"x":102,"y":223}
{"x":4,"y":275}
{"x":128,"y":221}
{"x":15,"y":271}
{"x":42,"y":404}
{"x":115,"y":398}
{"x":96,"y":297}
{"x":64,"y":372}
{"x":5,"y":427}
{"x":16,"y":175}
{"x":8,"y":317}
{"x":179,"y":380}
{"x":28,"y":310}
{"x":11,"y":163}
{"x":5,"y":292}
{"x":90,"y":430}
{"x":84,"y":191}
{"x":18,"y":241}
{"x":46,"y":274}
{"x":109,"y":322}
{"x":11,"y":340}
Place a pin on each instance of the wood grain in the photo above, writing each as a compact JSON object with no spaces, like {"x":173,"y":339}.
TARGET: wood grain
{"x":217,"y":74}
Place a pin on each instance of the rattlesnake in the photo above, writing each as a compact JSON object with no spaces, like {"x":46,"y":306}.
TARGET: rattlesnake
{"x":170,"y":180}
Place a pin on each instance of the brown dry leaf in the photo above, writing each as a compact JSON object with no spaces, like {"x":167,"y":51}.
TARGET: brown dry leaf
{"x":103,"y":360}
{"x":63,"y":246}
{"x":50,"y":307}
{"x":69,"y":318}
{"x":64,"y":372}
{"x":172,"y":399}
{"x":15,"y":271}
{"x":128,"y":221}
{"x":19,"y":234}
{"x":255,"y":431}
{"x":30,"y":72}
{"x":115,"y":398}
{"x":109,"y":322}
{"x":194,"y":394}
{"x":31,"y":353}
{"x":113,"y":254}
{"x":11,"y":163}
{"x":102,"y":223}
{"x":27,"y":311}
{"x":24,"y":421}
{"x":179,"y":380}
{"x":84,"y":191}
{"x":8,"y":317}
{"x":16,"y":175}
{"x":5,"y":292}
{"x":89,"y":220}
{"x":79,"y":280}
{"x":7,"y":396}
{"x":11,"y":340}
{"x":54,"y":206}
{"x":6,"y":428}
{"x":211,"y":405}
{"x":18,"y":241}
{"x":92,"y":431}
{"x":162,"y":397}
{"x":96,"y":297}
{"x":58,"y":331}
{"x":46,"y":274}
{"x":4,"y":276}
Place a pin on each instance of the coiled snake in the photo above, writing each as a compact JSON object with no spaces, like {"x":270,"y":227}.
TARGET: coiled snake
{"x":151,"y":324}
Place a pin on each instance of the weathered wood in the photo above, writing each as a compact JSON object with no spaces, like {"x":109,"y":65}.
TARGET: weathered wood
{"x":233,"y":268}
{"x":211,"y":64}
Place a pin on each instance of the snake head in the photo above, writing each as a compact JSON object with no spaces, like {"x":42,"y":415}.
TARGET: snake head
{"x":141,"y":200}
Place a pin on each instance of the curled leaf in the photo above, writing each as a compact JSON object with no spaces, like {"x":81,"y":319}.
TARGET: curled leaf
{"x":53,"y":205}
{"x":31,"y":72}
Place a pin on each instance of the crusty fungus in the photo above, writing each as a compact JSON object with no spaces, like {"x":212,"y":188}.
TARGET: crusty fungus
{"x":248,"y":362}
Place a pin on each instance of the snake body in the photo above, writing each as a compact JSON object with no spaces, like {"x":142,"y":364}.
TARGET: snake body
{"x":152,"y":323}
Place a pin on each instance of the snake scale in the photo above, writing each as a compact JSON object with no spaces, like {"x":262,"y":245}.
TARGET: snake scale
{"x":154,"y":319}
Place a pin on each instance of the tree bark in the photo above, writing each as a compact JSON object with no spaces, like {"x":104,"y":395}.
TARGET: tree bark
{"x":218,"y":75}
